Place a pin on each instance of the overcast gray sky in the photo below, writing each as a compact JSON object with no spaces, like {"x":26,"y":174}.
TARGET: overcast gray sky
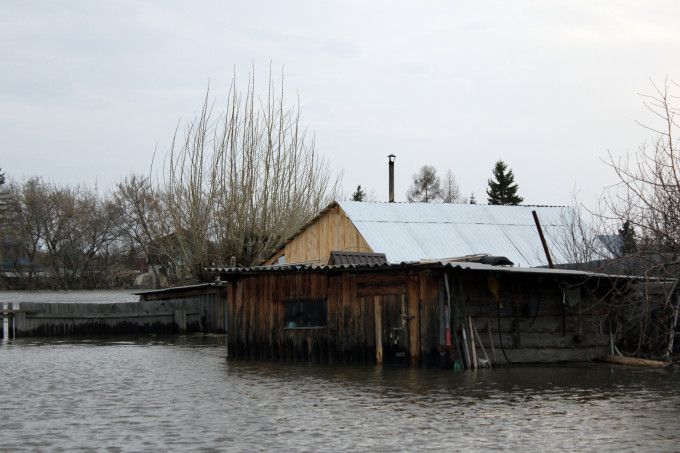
{"x":88,"y":89}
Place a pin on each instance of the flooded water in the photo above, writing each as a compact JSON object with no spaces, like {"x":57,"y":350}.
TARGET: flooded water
{"x":151,"y":394}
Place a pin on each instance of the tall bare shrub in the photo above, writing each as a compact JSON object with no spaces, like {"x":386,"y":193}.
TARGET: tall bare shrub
{"x":645,"y":205}
{"x":236,"y":183}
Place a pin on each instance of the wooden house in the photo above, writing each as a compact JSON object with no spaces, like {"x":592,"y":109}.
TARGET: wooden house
{"x":378,"y":283}
{"x":426,"y":231}
{"x":429,"y":313}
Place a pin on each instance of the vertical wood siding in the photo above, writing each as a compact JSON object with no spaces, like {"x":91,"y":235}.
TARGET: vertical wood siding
{"x":401,"y":314}
{"x":332,"y":231}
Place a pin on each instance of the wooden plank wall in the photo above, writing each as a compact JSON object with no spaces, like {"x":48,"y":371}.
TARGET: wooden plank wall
{"x":407,"y":325}
{"x":203,"y":312}
{"x":256,"y":319}
{"x":399,"y":317}
{"x":529,"y":323}
{"x":332,"y":231}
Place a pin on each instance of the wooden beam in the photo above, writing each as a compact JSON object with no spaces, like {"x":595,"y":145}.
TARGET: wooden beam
{"x":413,"y":295}
{"x":377,"y":309}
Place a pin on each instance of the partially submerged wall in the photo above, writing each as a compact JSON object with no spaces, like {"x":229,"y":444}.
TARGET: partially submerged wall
{"x":399,"y":316}
{"x":528,"y":319}
{"x":198,"y":313}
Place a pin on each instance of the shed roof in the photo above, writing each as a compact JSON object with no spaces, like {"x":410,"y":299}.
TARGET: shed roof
{"x":433,"y":264}
{"x":342,"y":257}
{"x":426,"y":231}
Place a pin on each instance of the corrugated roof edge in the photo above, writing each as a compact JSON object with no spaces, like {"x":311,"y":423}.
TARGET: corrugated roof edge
{"x":177,"y":288}
{"x":476,"y":204}
{"x":464,"y":265}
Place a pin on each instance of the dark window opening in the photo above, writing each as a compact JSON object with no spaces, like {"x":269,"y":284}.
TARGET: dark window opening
{"x":305,"y":313}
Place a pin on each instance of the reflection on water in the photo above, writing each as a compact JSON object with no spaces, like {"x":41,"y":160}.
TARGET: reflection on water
{"x":181,"y":394}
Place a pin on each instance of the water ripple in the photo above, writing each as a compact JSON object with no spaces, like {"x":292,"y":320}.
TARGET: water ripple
{"x":181,"y":394}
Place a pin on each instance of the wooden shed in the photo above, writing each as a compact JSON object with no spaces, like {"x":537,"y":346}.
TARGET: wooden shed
{"x":431,"y":314}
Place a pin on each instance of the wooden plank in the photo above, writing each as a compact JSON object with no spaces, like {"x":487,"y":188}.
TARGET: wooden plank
{"x":634,"y":361}
{"x":348,"y":336}
{"x":374,"y":284}
{"x":357,"y":320}
{"x":552,"y":355}
{"x":334,"y":307}
{"x":377,"y":311}
{"x":545,"y":340}
{"x":473,"y":348}
{"x":180,"y":321}
{"x":270,"y":314}
{"x":429,"y":319}
{"x":105,"y":315}
{"x":231,"y":318}
{"x":178,"y":293}
{"x":542,"y":324}
{"x":413,"y":295}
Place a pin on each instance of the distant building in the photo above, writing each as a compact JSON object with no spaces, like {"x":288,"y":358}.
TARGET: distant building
{"x":613,"y":243}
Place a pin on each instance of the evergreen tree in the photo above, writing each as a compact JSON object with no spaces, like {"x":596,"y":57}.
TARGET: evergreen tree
{"x":473,"y":200}
{"x":359,"y":195}
{"x":628,"y":241}
{"x":2,"y":177}
{"x":502,"y":189}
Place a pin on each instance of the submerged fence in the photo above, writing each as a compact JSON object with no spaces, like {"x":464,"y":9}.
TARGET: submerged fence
{"x":197,"y":313}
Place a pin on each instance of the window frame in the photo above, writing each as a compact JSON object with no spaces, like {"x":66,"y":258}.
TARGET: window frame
{"x":297,"y":323}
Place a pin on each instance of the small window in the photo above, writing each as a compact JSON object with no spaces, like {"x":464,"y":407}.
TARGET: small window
{"x":305,"y":313}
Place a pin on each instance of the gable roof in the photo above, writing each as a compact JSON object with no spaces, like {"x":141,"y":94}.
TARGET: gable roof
{"x":425,"y":231}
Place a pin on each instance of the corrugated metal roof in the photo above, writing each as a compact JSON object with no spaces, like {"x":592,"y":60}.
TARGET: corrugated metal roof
{"x":426,"y":231}
{"x":176,"y":288}
{"x":464,"y":265}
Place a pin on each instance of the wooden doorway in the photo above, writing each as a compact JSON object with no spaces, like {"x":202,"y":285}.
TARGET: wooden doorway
{"x":391,"y":329}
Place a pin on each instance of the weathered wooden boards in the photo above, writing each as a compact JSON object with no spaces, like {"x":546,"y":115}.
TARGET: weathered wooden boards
{"x":332,"y":230}
{"x":633,"y":361}
{"x":198,"y":313}
{"x":531,"y":320}
{"x":396,"y":316}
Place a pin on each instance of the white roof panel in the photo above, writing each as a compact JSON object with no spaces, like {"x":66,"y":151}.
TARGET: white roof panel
{"x":425,"y":231}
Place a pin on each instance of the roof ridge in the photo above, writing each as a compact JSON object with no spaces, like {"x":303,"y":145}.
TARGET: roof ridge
{"x":402,"y":203}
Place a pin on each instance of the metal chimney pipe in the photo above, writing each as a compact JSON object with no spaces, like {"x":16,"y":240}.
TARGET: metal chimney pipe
{"x":391,"y":157}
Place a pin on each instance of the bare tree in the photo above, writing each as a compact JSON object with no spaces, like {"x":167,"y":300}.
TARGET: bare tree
{"x":27,"y":214}
{"x":140,"y":208}
{"x":68,"y":234}
{"x":237,"y":183}
{"x":576,"y":242}
{"x":142,"y":224}
{"x":425,"y":187}
{"x":646,"y":201}
{"x":648,"y":193}
{"x":450,"y":190}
